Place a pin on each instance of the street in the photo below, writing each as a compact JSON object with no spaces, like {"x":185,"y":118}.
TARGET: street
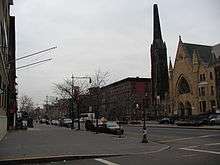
{"x":166,"y":145}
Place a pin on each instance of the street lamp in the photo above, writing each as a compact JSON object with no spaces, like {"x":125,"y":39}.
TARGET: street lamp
{"x":75,"y":94}
{"x":144,"y":140}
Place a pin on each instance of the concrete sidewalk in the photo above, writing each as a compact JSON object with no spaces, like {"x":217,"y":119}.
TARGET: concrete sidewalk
{"x":51,"y":141}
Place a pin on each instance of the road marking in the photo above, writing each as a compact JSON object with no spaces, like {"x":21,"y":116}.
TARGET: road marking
{"x":205,"y":151}
{"x":106,"y":162}
{"x":212,"y":144}
{"x":188,"y":155}
{"x":189,"y":138}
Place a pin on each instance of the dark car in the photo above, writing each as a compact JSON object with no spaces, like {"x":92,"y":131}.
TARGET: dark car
{"x":167,"y":120}
{"x":89,"y":125}
{"x":110,"y":127}
{"x":66,"y":122}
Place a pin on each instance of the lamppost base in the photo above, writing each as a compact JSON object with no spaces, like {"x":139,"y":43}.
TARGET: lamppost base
{"x":144,"y":140}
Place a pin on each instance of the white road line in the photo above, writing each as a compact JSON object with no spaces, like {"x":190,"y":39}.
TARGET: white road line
{"x":106,"y":162}
{"x":188,"y":155}
{"x":205,"y":151}
{"x":189,"y":138}
{"x":212,"y":144}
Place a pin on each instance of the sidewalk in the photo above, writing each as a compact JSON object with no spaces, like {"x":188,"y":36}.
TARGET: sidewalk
{"x":47,"y":141}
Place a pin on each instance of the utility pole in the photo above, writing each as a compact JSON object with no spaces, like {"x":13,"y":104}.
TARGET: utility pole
{"x":75,"y":96}
{"x":144,"y":140}
{"x":72,"y":102}
{"x":47,"y":106}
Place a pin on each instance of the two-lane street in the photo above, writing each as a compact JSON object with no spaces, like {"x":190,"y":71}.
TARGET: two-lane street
{"x":166,"y":145}
{"x":187,"y":146}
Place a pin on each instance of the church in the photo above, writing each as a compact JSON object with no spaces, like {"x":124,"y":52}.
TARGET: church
{"x":189,"y":87}
{"x":194,"y":80}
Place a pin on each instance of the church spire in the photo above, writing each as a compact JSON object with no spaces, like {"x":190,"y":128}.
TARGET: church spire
{"x":157,"y":30}
{"x":170,"y":65}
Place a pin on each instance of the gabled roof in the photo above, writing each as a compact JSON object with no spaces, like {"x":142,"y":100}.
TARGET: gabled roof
{"x":204,"y":51}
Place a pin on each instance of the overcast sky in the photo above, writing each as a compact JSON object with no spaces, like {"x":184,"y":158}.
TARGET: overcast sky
{"x":113,"y":35}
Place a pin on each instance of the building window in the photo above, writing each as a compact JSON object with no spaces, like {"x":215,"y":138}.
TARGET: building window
{"x":212,"y":90}
{"x":183,"y":86}
{"x":213,"y":105}
{"x":211,"y":77}
{"x":202,"y":105}
{"x":217,"y":74}
{"x":202,"y":77}
{"x":202,"y":91}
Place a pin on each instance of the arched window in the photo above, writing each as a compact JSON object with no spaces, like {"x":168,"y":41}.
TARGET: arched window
{"x":183,"y":86}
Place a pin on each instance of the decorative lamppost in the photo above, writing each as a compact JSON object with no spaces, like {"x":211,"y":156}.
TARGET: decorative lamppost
{"x":144,"y":140}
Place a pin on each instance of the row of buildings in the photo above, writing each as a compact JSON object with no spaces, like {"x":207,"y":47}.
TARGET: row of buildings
{"x":189,"y":87}
{"x":8,"y":102}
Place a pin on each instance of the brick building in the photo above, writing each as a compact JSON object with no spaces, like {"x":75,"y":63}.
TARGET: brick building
{"x":125,"y":99}
{"x":7,"y":52}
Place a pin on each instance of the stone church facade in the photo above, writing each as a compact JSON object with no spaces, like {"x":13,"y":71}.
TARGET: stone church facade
{"x":194,"y":80}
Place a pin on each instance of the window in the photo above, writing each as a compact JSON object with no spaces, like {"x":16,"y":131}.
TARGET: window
{"x":202,"y":91}
{"x":211,"y":77}
{"x":212,"y":90}
{"x":202,"y":105}
{"x":202,"y":77}
{"x":213,"y":105}
{"x":183,"y":86}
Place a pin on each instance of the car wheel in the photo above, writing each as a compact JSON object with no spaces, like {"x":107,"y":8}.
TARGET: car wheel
{"x":212,"y":123}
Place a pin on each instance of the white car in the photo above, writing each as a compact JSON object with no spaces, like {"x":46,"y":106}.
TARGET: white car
{"x":55,"y":122}
{"x":215,"y":120}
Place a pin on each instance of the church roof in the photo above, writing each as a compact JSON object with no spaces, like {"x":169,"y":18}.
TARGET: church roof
{"x":204,"y":51}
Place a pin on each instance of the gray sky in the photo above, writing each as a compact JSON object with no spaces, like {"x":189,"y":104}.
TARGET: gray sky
{"x":113,"y":35}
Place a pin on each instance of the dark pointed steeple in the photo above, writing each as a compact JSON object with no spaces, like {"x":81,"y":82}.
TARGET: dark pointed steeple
{"x":157,"y":30}
{"x":159,"y":67}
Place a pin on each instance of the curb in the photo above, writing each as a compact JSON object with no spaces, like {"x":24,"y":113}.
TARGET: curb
{"x":53,"y":158}
{"x":180,"y":127}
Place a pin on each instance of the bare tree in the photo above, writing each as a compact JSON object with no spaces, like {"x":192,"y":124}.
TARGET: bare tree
{"x":100,"y":78}
{"x":64,"y":89}
{"x":26,"y":104}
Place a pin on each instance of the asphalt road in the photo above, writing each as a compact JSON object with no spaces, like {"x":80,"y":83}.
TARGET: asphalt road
{"x":187,"y":146}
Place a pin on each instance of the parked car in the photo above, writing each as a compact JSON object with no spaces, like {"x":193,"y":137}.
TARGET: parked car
{"x":42,"y":121}
{"x":215,"y":120}
{"x":89,"y":125}
{"x":66,"y":122}
{"x":47,"y":121}
{"x":110,"y":127}
{"x":167,"y":120}
{"x":55,"y":122}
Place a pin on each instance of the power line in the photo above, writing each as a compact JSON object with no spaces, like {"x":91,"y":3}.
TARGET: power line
{"x":33,"y":63}
{"x":42,"y":51}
